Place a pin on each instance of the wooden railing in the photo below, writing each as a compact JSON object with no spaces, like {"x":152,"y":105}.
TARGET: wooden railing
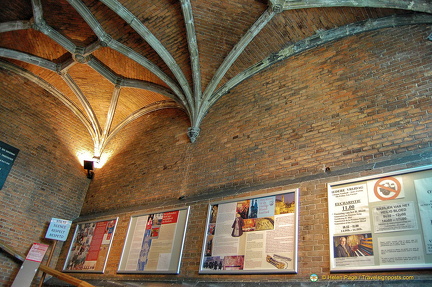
{"x":62,"y":276}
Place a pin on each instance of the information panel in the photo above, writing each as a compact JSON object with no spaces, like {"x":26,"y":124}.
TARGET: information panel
{"x":90,"y":246}
{"x":252,"y":235}
{"x":8,"y":155}
{"x":154,"y":243}
{"x":382,"y":222}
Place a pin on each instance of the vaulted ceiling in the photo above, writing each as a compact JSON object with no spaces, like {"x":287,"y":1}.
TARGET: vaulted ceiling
{"x":112,"y":61}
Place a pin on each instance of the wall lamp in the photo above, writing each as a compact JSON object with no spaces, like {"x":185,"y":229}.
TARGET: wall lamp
{"x":88,"y":165}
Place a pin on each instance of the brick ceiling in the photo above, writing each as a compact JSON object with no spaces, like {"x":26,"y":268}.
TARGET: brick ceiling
{"x":111,"y":61}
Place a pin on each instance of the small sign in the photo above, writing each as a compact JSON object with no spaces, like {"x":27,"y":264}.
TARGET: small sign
{"x":387,"y":188}
{"x":58,"y":229}
{"x":7,"y":157}
{"x":37,"y":252}
{"x":30,"y":266}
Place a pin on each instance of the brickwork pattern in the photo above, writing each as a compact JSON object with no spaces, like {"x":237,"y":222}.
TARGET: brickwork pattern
{"x":360,"y":106}
{"x":46,"y":179}
{"x":362,"y":102}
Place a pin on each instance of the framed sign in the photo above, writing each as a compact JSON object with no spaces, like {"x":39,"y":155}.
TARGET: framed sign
{"x":382,"y":222}
{"x":154,"y":243}
{"x":252,"y":235}
{"x":90,"y":246}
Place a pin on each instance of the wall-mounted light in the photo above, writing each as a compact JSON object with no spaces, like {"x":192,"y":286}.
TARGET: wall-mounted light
{"x":88,"y":165}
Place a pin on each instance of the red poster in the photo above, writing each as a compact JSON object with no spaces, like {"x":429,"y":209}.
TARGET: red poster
{"x":96,"y":241}
{"x":170,"y":217}
{"x":90,"y":246}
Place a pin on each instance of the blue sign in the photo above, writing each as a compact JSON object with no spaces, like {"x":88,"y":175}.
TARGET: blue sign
{"x":7,"y":157}
{"x":58,"y":229}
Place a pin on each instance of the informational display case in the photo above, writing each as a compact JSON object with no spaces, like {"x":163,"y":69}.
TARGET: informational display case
{"x":90,"y":246}
{"x":252,"y":235}
{"x":381,"y":222}
{"x":154,"y":242}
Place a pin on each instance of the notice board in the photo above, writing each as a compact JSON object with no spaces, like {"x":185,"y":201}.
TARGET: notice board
{"x":252,"y":235}
{"x":90,"y":246}
{"x":381,"y":222}
{"x":154,"y":242}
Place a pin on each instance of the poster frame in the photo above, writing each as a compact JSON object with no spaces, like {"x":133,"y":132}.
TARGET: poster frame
{"x":294,"y":229}
{"x":104,"y":259}
{"x":180,"y":237}
{"x":374,"y":230}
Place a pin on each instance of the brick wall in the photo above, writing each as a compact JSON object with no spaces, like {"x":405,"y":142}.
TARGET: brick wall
{"x":359,"y":106}
{"x":46,"y":179}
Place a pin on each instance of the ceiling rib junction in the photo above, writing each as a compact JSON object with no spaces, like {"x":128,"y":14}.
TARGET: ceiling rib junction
{"x":173,"y":86}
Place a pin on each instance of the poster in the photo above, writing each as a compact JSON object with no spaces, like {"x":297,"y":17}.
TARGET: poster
{"x":252,"y":235}
{"x":154,"y":243}
{"x":423,"y":189}
{"x":381,"y":222}
{"x":90,"y":246}
{"x":351,"y":210}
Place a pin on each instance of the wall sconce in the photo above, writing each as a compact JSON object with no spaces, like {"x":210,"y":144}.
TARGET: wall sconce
{"x":88,"y":165}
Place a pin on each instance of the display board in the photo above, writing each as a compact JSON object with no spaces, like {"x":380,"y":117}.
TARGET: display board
{"x":154,"y":243}
{"x":252,"y":235}
{"x":90,"y":246}
{"x":382,"y":222}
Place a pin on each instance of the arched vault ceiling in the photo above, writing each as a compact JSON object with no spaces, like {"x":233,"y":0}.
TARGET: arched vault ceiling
{"x":112,"y":61}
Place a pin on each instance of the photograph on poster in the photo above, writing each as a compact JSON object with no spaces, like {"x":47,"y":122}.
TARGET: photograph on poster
{"x":252,"y":235}
{"x":154,"y":242}
{"x":381,"y":222}
{"x":90,"y":246}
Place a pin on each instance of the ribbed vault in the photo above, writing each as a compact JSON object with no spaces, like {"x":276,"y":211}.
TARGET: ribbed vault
{"x":111,"y":61}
